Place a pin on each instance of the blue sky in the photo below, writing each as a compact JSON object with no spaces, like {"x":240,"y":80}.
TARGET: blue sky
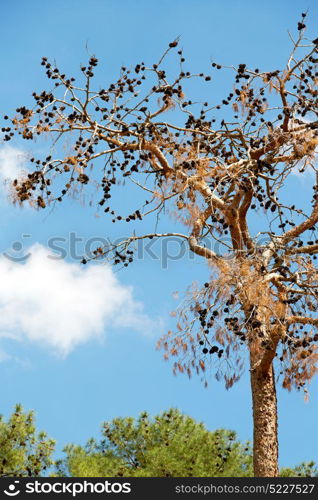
{"x":74,"y":386}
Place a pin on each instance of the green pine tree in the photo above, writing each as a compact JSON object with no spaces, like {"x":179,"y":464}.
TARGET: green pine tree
{"x":305,"y":469}
{"x":23,"y":452}
{"x":169,"y":445}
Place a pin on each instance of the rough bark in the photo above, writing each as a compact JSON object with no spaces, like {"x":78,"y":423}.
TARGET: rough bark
{"x":265,"y":439}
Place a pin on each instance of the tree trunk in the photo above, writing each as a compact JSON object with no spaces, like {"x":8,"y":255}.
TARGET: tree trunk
{"x":265,"y":445}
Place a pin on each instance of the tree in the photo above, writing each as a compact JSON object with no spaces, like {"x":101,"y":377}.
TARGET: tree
{"x":169,"y":445}
{"x":213,"y":168}
{"x":23,"y":452}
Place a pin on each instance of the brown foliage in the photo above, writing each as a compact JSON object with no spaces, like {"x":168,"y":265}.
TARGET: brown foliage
{"x":211,"y":174}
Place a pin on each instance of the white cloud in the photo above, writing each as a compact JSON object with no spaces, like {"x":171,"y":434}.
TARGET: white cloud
{"x":12,"y":166}
{"x":60,"y":304}
{"x":11,"y":163}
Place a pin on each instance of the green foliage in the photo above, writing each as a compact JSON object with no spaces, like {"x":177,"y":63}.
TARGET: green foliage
{"x":171,"y":444}
{"x":23,"y":452}
{"x":305,"y":469}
